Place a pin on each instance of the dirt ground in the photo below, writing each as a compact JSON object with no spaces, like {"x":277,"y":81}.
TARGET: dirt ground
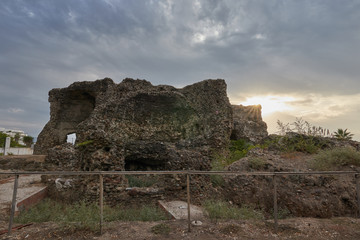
{"x":294,"y":228}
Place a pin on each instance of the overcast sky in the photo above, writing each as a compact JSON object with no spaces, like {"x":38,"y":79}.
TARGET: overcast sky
{"x":303,"y":54}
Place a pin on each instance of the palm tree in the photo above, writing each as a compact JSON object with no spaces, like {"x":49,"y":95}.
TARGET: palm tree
{"x":343,"y":134}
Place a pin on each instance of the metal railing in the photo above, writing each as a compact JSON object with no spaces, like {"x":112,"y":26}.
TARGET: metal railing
{"x":187,"y":173}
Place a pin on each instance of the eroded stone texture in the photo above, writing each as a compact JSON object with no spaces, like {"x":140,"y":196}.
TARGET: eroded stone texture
{"x":248,"y":123}
{"x":134,"y":125}
{"x":68,"y":108}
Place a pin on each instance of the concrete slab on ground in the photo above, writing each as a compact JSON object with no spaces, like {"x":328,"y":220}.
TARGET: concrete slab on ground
{"x":27,"y":187}
{"x":179,"y":210}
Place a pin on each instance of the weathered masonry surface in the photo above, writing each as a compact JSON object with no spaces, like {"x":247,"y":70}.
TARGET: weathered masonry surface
{"x":134,"y":125}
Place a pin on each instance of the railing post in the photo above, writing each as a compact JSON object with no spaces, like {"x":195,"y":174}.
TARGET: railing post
{"x":357,"y":179}
{"x":13,"y":204}
{"x":188,"y":200}
{"x":275,"y":203}
{"x":101,"y":191}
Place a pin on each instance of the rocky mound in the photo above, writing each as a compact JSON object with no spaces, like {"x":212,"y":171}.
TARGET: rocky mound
{"x":298,"y":195}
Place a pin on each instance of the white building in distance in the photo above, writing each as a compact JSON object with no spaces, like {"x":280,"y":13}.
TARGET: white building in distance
{"x":12,"y":133}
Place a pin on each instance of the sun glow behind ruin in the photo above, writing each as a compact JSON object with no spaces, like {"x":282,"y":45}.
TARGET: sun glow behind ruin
{"x":270,"y":104}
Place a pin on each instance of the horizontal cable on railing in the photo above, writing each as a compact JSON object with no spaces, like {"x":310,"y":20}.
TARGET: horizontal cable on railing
{"x":191,"y":172}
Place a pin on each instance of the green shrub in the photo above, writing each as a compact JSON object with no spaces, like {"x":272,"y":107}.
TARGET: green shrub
{"x":239,"y":145}
{"x":2,"y":139}
{"x":256,"y":163}
{"x":237,"y":150}
{"x":223,"y":210}
{"x":336,"y":158}
{"x":141,"y":181}
{"x":28,"y":140}
{"x":294,"y":142}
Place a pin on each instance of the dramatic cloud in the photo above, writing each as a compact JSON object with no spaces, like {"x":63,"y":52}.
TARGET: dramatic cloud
{"x":293,"y":48}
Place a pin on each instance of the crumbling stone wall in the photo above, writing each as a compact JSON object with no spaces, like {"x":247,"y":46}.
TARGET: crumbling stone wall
{"x":248,"y":123}
{"x":134,"y":125}
{"x":68,"y":108}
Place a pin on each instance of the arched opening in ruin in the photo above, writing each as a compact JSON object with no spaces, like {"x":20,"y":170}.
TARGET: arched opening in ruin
{"x":71,"y":138}
{"x":75,"y":108}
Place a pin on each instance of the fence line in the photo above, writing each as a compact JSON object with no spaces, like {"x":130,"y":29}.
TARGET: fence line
{"x":191,"y":172}
{"x":188,"y":173}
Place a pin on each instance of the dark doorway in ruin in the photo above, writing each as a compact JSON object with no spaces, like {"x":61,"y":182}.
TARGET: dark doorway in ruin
{"x":145,"y":156}
{"x":143,"y":164}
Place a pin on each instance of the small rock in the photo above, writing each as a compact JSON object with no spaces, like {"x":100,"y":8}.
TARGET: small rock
{"x":196,"y":223}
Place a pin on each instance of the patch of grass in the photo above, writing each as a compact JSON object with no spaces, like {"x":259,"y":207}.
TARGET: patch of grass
{"x":294,"y":143}
{"x":237,"y":150}
{"x":141,"y":181}
{"x":223,"y":210}
{"x":45,"y":211}
{"x":86,"y":216}
{"x":335,"y":158}
{"x":256,"y":163}
{"x":161,"y":228}
{"x":217,"y":180}
{"x":79,"y":215}
{"x":144,"y":213}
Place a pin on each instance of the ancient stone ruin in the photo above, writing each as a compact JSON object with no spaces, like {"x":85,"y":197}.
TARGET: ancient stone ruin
{"x":134,"y":125}
{"x":248,"y":123}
